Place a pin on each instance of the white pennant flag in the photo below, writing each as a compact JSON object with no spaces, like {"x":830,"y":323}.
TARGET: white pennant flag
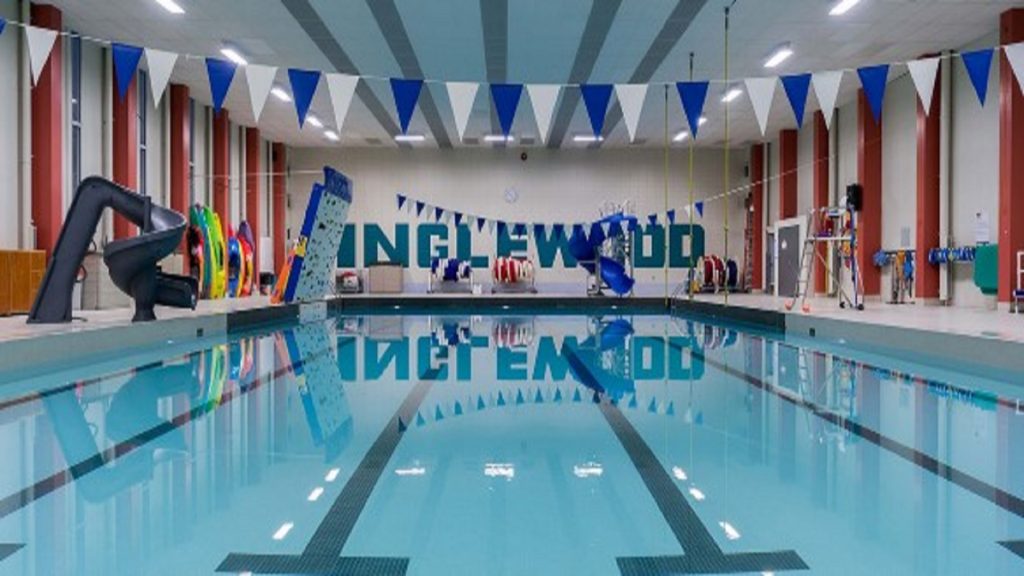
{"x":462,"y":96}
{"x":261,"y":82}
{"x":40,"y":44}
{"x":923,"y":73}
{"x":342,"y":88}
{"x":490,"y":226}
{"x":631,"y":100}
{"x":1015,"y":56}
{"x":161,"y":65}
{"x":606,"y":228}
{"x":762,"y":93}
{"x":543,"y":97}
{"x":826,"y":87}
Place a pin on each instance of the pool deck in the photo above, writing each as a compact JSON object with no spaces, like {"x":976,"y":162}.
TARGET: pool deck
{"x":985,"y":337}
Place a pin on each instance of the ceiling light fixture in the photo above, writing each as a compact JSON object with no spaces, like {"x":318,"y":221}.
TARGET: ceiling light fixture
{"x":731,"y":95}
{"x":842,"y":7}
{"x":587,"y":138}
{"x":171,"y":6}
{"x":234,"y":55}
{"x":280,"y":94}
{"x":499,"y":138}
{"x":314,"y":121}
{"x":410,"y":137}
{"x":780,"y":55}
{"x":681,"y":136}
{"x":702,"y":121}
{"x":331,"y":135}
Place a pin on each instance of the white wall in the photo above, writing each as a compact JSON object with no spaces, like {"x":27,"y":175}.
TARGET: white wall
{"x":9,"y":145}
{"x":554,"y":186}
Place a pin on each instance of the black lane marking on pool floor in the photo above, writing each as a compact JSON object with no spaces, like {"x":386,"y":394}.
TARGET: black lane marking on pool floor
{"x":322,"y":554}
{"x":8,"y":549}
{"x":702,"y":555}
{"x":1015,"y":546}
{"x":14,"y":502}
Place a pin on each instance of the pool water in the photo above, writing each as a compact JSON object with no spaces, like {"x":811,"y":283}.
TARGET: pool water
{"x":429,"y":445}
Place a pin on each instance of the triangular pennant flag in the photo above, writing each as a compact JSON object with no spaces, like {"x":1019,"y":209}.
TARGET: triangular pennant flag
{"x":671,"y":216}
{"x":700,"y":208}
{"x":501,"y":399}
{"x":979,"y":63}
{"x":1015,"y":56}
{"x":923,"y":73}
{"x":40,"y":43}
{"x":826,"y":88}
{"x":631,"y":100}
{"x":458,"y":219}
{"x":462,"y":95}
{"x":693,"y":95}
{"x":596,"y":98}
{"x":480,"y":224}
{"x":502,"y":227}
{"x":406,"y":93}
{"x":420,"y":421}
{"x":490,"y":226}
{"x":304,"y":83}
{"x":519,"y":397}
{"x":458,"y":408}
{"x":873,"y":79}
{"x":438,"y":213}
{"x":438,"y":415}
{"x":558,"y":230}
{"x":480,"y":402}
{"x":538,"y":398}
{"x":341,"y":88}
{"x":3,"y":24}
{"x":576,"y":397}
{"x":543,"y":97}
{"x":126,"y":61}
{"x":761,"y":92}
{"x":519,"y":229}
{"x":161,"y":65}
{"x":506,"y":100}
{"x":558,"y":395}
{"x":401,"y":201}
{"x":261,"y":82}
{"x":796,"y":89}
{"x":446,"y":217}
{"x":606,"y":228}
{"x":653,"y":219}
{"x":220,"y":73}
{"x":419,"y":208}
{"x":538,"y":230}
{"x":689,"y":210}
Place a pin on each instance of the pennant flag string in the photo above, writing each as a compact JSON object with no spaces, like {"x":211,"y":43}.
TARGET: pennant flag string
{"x":126,"y":62}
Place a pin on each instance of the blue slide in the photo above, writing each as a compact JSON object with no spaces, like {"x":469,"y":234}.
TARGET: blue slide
{"x":584,"y":250}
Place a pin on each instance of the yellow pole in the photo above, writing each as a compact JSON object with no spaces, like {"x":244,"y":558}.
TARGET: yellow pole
{"x":690,"y":278}
{"x":726,"y":199}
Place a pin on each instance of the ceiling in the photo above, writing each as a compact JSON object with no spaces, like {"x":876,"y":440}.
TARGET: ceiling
{"x":530,"y":41}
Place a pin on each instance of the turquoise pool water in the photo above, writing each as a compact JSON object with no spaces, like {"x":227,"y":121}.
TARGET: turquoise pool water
{"x":512,"y":445}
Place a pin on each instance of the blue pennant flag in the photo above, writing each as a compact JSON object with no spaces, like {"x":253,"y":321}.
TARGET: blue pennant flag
{"x":873,"y":79}
{"x":700,"y":208}
{"x":506,"y":100}
{"x":458,"y":219}
{"x":3,"y":23}
{"x":519,"y":229}
{"x":221,"y":73}
{"x":538,"y":230}
{"x":419,"y":207}
{"x":480,"y":224}
{"x":796,"y":89}
{"x":304,"y":84}
{"x":978,"y":64}
{"x":406,"y":93}
{"x":693,"y":95}
{"x":126,"y":61}
{"x":653,"y":219}
{"x":502,"y":228}
{"x":438,"y":213}
{"x":558,"y":229}
{"x":671,"y":216}
{"x":597,"y":235}
{"x":596,"y":97}
{"x":401,"y":201}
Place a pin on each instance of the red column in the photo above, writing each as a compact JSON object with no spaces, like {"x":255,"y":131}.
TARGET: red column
{"x":47,"y":140}
{"x":221,"y":169}
{"x":126,"y":149}
{"x":280,"y":191}
{"x":787,"y":174}
{"x":869,"y":173}
{"x":757,"y":214}
{"x":820,"y":200}
{"x":252,"y":188}
{"x":1011,"y":147}
{"x":180,"y":142}
{"x":926,"y":276}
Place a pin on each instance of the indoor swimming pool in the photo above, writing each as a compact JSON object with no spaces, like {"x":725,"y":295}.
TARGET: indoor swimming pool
{"x":510,"y":444}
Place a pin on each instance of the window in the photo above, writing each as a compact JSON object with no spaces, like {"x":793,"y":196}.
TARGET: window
{"x":142,"y":105}
{"x":76,"y":111}
{"x":192,"y":151}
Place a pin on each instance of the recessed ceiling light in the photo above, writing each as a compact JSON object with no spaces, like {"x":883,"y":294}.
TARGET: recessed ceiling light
{"x":587,"y":138}
{"x":314,"y":121}
{"x":499,"y":138}
{"x":702,"y":121}
{"x":842,"y":7}
{"x":280,"y":94}
{"x":731,"y":95}
{"x":171,"y":6}
{"x":681,"y":136}
{"x":234,"y":55}
{"x":781,"y":54}
{"x":410,"y":138}
{"x":331,"y":135}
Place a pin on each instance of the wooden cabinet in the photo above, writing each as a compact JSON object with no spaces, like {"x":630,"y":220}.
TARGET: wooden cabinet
{"x":21,"y":272}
